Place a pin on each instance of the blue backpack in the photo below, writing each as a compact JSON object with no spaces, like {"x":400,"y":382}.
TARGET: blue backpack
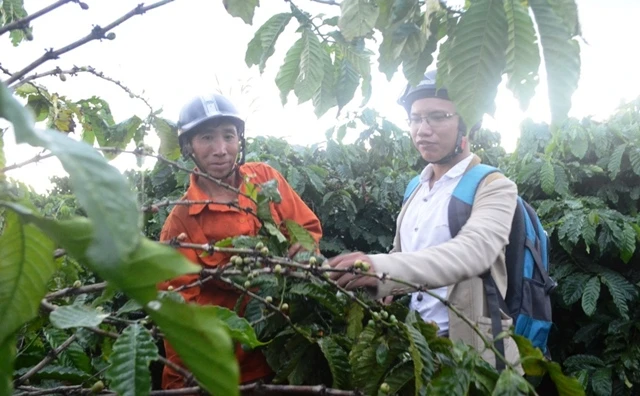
{"x":529,"y":285}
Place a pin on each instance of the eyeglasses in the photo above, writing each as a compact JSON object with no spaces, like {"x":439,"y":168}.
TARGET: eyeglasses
{"x":434,"y":119}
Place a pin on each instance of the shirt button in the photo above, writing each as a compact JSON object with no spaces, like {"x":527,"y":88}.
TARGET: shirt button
{"x":425,"y":199}
{"x":415,"y":229}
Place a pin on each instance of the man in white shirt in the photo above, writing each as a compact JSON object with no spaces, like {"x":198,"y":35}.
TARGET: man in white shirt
{"x":424,"y":252}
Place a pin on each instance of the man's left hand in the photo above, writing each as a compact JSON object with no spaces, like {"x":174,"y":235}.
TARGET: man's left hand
{"x":349,"y":280}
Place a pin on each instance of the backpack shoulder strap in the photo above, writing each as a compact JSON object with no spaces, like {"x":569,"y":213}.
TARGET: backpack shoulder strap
{"x":464,"y":194}
{"x":413,"y":184}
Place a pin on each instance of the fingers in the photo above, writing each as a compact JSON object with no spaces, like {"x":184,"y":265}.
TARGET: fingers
{"x":295,"y":249}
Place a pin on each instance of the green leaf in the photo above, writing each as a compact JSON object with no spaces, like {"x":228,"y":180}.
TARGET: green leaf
{"x":615,"y":161}
{"x":242,"y":9}
{"x":578,"y":362}
{"x":399,"y":376}
{"x":168,"y":133}
{"x":100,"y":188}
{"x":347,"y":81}
{"x":59,"y":373}
{"x":620,"y":289}
{"x":202,"y":341}
{"x":299,"y":234}
{"x":382,"y":353}
{"x":132,"y":352}
{"x":417,"y":55}
{"x":548,"y":177}
{"x":477,"y":59}
{"x":590,"y":295}
{"x":290,"y":69}
{"x":510,"y":383}
{"x":151,"y":263}
{"x":523,"y":57}
{"x":354,"y":320}
{"x":601,"y":382}
{"x":450,"y":381}
{"x":565,"y":386}
{"x":358,"y":17}
{"x":561,"y":185}
{"x":325,"y":98}
{"x":532,"y":359}
{"x":312,"y":66}
{"x":11,"y":11}
{"x":421,"y":355}
{"x":273,"y":230}
{"x":119,"y":135}
{"x":26,"y":264}
{"x":568,"y":11}
{"x":579,"y":146}
{"x":562,"y":59}
{"x":71,"y":316}
{"x":634,"y":158}
{"x":362,"y":359}
{"x":74,"y":355}
{"x":338,"y":361}
{"x":7,"y":356}
{"x":239,"y":328}
{"x":319,"y":293}
{"x":129,"y":306}
{"x":262,"y":46}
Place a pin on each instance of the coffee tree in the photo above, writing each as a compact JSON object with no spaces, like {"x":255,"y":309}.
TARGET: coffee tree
{"x":78,"y":286}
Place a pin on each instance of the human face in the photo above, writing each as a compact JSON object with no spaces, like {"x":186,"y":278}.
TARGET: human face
{"x":433,"y":124}
{"x":215,"y":148}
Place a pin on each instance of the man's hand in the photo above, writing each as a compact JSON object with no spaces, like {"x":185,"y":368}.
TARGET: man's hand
{"x":295,"y":249}
{"x":348,"y":280}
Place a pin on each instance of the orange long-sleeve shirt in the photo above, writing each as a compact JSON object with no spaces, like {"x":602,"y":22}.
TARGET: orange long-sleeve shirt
{"x":203,"y":223}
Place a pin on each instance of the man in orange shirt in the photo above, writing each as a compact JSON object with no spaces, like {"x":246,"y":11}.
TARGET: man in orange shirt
{"x":211,"y":132}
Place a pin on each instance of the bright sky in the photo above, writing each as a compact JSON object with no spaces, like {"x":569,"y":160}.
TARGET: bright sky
{"x":193,"y":46}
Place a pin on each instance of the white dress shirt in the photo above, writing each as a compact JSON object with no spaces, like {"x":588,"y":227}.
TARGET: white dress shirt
{"x":426,"y":224}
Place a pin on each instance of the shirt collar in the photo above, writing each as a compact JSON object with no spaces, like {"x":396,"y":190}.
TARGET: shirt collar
{"x":457,"y":170}
{"x":195,"y":193}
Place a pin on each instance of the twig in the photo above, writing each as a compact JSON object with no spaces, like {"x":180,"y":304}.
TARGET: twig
{"x":35,"y":159}
{"x":88,"y":69}
{"x":5,"y":70}
{"x":327,"y":2}
{"x":188,"y":376}
{"x":155,"y":206}
{"x":24,"y":22}
{"x":69,"y":291}
{"x":96,"y":33}
{"x":47,"y":359}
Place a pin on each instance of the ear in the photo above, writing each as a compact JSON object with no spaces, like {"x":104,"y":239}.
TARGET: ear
{"x":464,"y":143}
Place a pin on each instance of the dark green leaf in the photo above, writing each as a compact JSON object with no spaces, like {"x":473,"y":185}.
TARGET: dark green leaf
{"x":202,"y":341}
{"x":615,"y":161}
{"x":26,"y":264}
{"x":354,"y":320}
{"x":273,"y":230}
{"x":568,"y":11}
{"x":299,"y":234}
{"x":313,"y":60}
{"x":129,"y":306}
{"x":548,"y":177}
{"x":7,"y":356}
{"x":239,"y":328}
{"x":634,"y":158}
{"x":477,"y":59}
{"x":319,"y":293}
{"x":511,"y":383}
{"x":289,"y":71}
{"x":382,"y":353}
{"x":601,"y":382}
{"x":168,"y":133}
{"x":262,"y":46}
{"x":620,"y":289}
{"x":579,"y":362}
{"x":71,"y":316}
{"x":421,"y":355}
{"x":450,"y":381}
{"x":338,"y":361}
{"x":324,"y":98}
{"x":347,"y":81}
{"x":398,"y":377}
{"x":590,"y":295}
{"x":243,"y":9}
{"x":523,"y":57}
{"x":60,"y":373}
{"x":573,"y":287}
{"x":562,"y":59}
{"x":132,"y":352}
{"x":100,"y":188}
{"x":358,"y":17}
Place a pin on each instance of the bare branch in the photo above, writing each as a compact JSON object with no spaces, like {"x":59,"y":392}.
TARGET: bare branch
{"x":33,"y":160}
{"x":327,"y":2}
{"x":97,"y":33}
{"x":5,"y":70}
{"x":24,"y":22}
{"x":47,"y":359}
{"x":74,"y":71}
{"x":70,"y":291}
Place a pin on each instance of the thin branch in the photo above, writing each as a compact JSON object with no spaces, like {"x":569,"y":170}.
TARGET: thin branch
{"x":188,"y":376}
{"x":74,"y":71}
{"x":47,"y":359}
{"x":5,"y":70}
{"x":97,"y":33}
{"x":327,"y":2}
{"x":70,"y":291}
{"x":33,"y":160}
{"x":24,"y":22}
